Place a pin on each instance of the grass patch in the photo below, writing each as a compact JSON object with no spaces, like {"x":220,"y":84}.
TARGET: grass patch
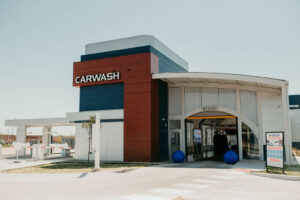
{"x":296,"y":152}
{"x":292,"y":170}
{"x":69,"y":167}
{"x":6,"y":145}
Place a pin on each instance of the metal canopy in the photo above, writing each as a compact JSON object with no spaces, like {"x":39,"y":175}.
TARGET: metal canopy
{"x":219,"y":78}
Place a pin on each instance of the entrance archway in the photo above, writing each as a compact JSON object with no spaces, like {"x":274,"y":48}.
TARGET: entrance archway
{"x":209,"y":134}
{"x":240,"y":116}
{"x":250,"y":143}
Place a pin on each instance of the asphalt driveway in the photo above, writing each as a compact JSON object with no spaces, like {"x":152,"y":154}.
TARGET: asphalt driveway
{"x":162,"y":182}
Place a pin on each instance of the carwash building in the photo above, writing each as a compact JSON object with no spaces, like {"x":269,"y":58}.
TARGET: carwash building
{"x":151,"y":106}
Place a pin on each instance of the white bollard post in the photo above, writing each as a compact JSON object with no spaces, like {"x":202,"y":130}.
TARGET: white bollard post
{"x":18,"y":148}
{"x":17,"y":152}
{"x":35,"y":151}
{"x":40,"y":152}
{"x":96,"y":137}
{"x":0,"y":149}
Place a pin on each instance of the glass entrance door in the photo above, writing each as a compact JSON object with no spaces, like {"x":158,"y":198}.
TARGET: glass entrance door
{"x":175,"y":141}
{"x":189,"y":140}
{"x":208,"y":144}
{"x":195,"y":142}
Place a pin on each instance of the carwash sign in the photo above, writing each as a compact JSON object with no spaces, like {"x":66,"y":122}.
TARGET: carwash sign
{"x":97,"y":77}
{"x":275,"y":142}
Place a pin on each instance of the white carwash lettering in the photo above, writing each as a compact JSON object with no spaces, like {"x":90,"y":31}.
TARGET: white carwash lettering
{"x":82,"y":79}
{"x":103,"y":78}
{"x":109,"y":76}
{"x":97,"y":77}
{"x":77,"y":79}
{"x":116,"y":75}
{"x":88,"y":78}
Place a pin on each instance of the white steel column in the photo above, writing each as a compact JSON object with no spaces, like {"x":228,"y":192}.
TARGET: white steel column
{"x":21,"y":137}
{"x":239,"y":123}
{"x":260,"y":125}
{"x":182,"y":132}
{"x":45,"y":138}
{"x":96,"y":140}
{"x":21,"y":133}
{"x":81,"y":142}
{"x":287,"y":125}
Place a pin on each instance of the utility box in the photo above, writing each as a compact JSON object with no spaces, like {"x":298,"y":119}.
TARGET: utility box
{"x":66,"y":153}
{"x":37,"y":152}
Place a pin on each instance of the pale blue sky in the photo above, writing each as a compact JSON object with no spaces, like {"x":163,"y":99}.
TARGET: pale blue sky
{"x":39,"y":41}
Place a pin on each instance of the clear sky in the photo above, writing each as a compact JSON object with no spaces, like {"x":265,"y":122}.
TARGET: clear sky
{"x":40,"y":40}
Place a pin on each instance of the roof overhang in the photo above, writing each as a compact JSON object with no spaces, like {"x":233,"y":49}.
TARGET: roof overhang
{"x":219,"y":78}
{"x":69,"y":120}
{"x":38,"y":122}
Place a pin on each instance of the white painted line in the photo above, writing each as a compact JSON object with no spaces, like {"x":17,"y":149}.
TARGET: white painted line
{"x":144,"y":197}
{"x":190,"y":185}
{"x":172,"y":191}
{"x":222,"y":177}
{"x":233,"y":172}
{"x":206,"y":181}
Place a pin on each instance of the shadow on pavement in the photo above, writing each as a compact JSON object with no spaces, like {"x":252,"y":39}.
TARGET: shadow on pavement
{"x":197,"y":164}
{"x":253,"y":165}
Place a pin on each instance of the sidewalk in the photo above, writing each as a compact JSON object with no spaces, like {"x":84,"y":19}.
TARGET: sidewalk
{"x":252,"y":165}
{"x":248,"y":165}
{"x":11,"y":164}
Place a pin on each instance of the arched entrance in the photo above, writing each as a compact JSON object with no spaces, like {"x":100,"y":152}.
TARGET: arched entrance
{"x":209,"y":134}
{"x":250,"y":143}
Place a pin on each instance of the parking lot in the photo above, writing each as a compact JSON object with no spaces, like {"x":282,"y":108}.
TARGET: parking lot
{"x":203,"y":180}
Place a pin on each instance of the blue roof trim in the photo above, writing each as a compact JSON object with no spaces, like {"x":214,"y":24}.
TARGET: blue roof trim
{"x":165,"y":63}
{"x":101,"y":97}
{"x":116,"y":53}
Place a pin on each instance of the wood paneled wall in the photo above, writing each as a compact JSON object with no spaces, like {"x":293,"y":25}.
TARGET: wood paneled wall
{"x":141,"y":101}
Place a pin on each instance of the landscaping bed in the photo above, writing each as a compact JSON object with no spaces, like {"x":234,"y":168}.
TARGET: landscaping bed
{"x":72,"y":167}
{"x":292,"y":170}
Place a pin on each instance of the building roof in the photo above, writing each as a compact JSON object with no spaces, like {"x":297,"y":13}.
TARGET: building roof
{"x":38,"y":122}
{"x":133,"y":42}
{"x":207,"y":77}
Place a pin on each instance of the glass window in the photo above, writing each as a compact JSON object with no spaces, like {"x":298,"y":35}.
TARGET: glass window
{"x":175,"y":124}
{"x":250,"y":144}
{"x":175,"y":141}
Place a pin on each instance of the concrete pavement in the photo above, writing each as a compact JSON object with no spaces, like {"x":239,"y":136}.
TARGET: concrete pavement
{"x":6,"y":164}
{"x":8,"y":159}
{"x":162,"y":182}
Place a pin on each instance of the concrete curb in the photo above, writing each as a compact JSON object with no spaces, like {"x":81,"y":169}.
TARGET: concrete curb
{"x":277,"y":176}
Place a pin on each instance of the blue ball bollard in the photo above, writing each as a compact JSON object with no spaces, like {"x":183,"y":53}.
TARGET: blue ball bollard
{"x":178,"y":157}
{"x":230,"y":157}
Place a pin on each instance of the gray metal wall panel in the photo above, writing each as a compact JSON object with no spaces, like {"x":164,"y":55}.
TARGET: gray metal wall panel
{"x":249,"y":104}
{"x":163,"y":121}
{"x":101,"y":97}
{"x":227,"y":98}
